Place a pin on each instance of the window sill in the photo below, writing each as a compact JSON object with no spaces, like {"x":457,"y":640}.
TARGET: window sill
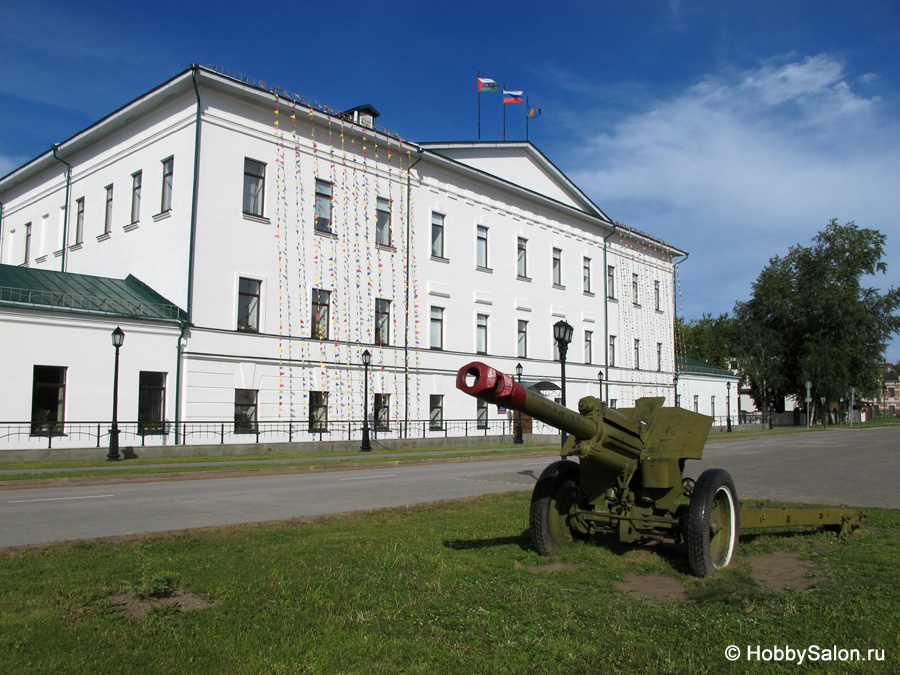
{"x":659,"y":311}
{"x":76,"y":247}
{"x":104,"y":236}
{"x":612,"y":298}
{"x":132,"y":226}
{"x":559,"y":286}
{"x":40,"y":259}
{"x":328,"y":234}
{"x":636,"y":304}
{"x":385,"y":247}
{"x":521,"y":278}
{"x":589,"y":294}
{"x":440,"y":259}
{"x":162,"y":216}
{"x":262,"y":220}
{"x":486,"y":270}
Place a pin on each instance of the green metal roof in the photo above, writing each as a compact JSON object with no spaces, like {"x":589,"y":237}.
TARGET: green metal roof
{"x":84,"y":293}
{"x":686,"y":364}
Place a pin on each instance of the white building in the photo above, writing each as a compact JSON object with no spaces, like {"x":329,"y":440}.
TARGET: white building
{"x":294,"y":239}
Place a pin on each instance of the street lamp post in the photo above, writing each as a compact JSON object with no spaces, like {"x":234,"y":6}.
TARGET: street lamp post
{"x":728,"y":405}
{"x":675,"y":386}
{"x":562,"y":333}
{"x":600,"y":377}
{"x":366,"y":360}
{"x":518,"y":437}
{"x":808,"y":399}
{"x":118,"y":339}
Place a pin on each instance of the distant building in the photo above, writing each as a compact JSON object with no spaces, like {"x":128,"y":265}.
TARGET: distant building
{"x":888,"y":398}
{"x":287,"y":240}
{"x":710,"y":391}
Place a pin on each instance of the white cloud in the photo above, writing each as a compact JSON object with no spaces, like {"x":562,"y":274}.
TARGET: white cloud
{"x":739,"y":167}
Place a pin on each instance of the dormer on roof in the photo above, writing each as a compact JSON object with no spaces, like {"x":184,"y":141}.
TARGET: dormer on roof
{"x":364,"y":115}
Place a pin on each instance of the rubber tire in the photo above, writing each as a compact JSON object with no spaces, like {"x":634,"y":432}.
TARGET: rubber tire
{"x":555,"y":492}
{"x":714,"y":502}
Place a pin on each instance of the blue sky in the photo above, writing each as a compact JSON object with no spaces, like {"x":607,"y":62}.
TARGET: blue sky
{"x":730,"y":129}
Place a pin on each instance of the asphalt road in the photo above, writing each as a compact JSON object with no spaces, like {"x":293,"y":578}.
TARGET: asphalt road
{"x":854,"y":467}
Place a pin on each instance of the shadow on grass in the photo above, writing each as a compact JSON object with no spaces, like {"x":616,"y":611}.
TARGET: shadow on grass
{"x":523,"y":541}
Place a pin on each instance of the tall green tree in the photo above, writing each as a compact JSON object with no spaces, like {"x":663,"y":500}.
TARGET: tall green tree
{"x":708,"y":339}
{"x":810,"y":317}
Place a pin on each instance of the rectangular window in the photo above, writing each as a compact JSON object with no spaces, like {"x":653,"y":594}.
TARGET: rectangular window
{"x":27,"y":243}
{"x":254,"y":187}
{"x":48,"y":399}
{"x":659,"y":348}
{"x":382,"y":321}
{"x":613,"y":403}
{"x":696,"y":403}
{"x":79,"y":220}
{"x":437,"y":235}
{"x":522,"y":340}
{"x":634,"y":289}
{"x":637,"y":354}
{"x":712,"y":407}
{"x":136,"y":197}
{"x":588,"y":346}
{"x":248,"y":305}
{"x":437,"y":327}
{"x":481,"y":414}
{"x":481,"y":334}
{"x":245,"y":411}
{"x":610,"y":282}
{"x":323,"y":207}
{"x":612,"y":351}
{"x":586,"y":274}
{"x":151,"y":402}
{"x":108,"y":215}
{"x":522,"y":258}
{"x":557,"y":267}
{"x":383,"y":222}
{"x":436,"y":412}
{"x":321,"y":309}
{"x":657,"y":301}
{"x":481,"y":246}
{"x":168,"y":169}
{"x":318,"y":411}
{"x":382,"y":412}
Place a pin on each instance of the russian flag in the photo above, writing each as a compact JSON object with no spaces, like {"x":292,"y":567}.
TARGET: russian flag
{"x":486,"y":84}
{"x":512,"y":96}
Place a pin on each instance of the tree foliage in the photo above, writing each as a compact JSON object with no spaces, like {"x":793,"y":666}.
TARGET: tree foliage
{"x":708,"y":339}
{"x":811,"y":318}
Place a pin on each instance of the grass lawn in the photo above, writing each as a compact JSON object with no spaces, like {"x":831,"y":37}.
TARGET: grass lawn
{"x":451,"y":587}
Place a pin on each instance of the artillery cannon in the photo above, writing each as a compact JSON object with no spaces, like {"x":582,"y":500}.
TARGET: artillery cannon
{"x":630,"y":477}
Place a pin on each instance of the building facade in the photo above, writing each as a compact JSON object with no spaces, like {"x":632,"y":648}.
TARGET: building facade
{"x":295,"y":239}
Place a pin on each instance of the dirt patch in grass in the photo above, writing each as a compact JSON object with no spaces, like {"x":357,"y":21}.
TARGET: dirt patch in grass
{"x":772,"y":571}
{"x":132,"y":607}
{"x":778,"y":571}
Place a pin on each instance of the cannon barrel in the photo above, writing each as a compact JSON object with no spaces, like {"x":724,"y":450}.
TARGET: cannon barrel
{"x":488,"y":384}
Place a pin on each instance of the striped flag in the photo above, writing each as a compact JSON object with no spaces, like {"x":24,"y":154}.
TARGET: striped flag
{"x":534,"y":112}
{"x":512,"y":96}
{"x":486,"y":84}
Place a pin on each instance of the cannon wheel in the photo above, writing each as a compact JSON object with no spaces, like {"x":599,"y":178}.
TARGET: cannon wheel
{"x":712,"y":523}
{"x":556,"y":491}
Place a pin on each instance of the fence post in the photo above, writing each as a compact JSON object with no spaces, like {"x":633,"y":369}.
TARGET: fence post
{"x":98,"y":435}
{"x":222,"y":433}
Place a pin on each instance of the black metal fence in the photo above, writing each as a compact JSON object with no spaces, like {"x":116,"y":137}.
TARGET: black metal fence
{"x":28,"y":435}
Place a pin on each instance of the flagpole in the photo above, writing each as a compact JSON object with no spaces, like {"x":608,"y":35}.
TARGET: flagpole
{"x":504,"y":110}
{"x":526,"y":117}
{"x":478,"y":96}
